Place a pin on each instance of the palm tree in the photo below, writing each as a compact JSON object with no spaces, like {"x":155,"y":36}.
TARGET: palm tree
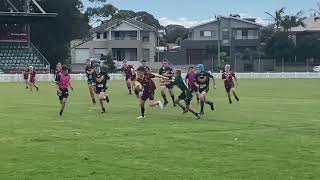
{"x":289,"y":22}
{"x":277,"y":17}
{"x":316,"y":10}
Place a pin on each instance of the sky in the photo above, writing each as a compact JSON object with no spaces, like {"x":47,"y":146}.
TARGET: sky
{"x":191,"y":12}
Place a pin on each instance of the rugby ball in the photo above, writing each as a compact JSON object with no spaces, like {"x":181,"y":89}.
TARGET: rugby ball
{"x":59,"y":93}
{"x":137,"y":86}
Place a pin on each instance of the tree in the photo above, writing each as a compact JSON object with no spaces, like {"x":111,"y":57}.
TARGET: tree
{"x":308,"y":46}
{"x":316,"y":10}
{"x":277,"y":17}
{"x":101,"y":13}
{"x":280,"y":46}
{"x":289,"y":22}
{"x":175,"y":33}
{"x":53,"y":37}
{"x":109,"y":65}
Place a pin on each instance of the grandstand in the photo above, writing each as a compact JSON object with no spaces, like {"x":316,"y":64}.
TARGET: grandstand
{"x":16,"y":49}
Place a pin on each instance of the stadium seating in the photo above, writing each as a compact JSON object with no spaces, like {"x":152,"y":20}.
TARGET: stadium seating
{"x":14,"y":57}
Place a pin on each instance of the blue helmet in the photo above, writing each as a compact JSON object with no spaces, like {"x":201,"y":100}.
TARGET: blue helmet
{"x":201,"y":67}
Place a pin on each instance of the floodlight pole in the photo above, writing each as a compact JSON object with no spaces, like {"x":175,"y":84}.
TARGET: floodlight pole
{"x":27,"y":26}
{"x":219,"y":31}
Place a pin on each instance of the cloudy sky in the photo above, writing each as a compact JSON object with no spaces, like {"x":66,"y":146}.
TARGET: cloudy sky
{"x":192,"y":12}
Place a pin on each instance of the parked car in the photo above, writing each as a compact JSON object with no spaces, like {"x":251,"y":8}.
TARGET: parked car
{"x":316,"y":69}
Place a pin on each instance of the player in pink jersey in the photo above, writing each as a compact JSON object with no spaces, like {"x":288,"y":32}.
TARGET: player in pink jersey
{"x":63,"y":83}
{"x":191,"y":82}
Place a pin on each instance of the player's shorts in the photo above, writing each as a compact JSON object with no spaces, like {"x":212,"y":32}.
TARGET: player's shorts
{"x":90,"y":82}
{"x":186,"y":96}
{"x":64,"y":94}
{"x":204,"y":89}
{"x":193,"y":88}
{"x":128,"y":77}
{"x":147,"y":95}
{"x":228,"y":87}
{"x":32,"y":81}
{"x":100,"y":90}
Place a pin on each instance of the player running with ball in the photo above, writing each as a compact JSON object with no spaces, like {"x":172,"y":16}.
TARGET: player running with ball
{"x":228,"y":76}
{"x":90,"y":73}
{"x":63,"y":83}
{"x":203,"y":81}
{"x":144,"y":80}
{"x":32,"y":79}
{"x":101,"y":86}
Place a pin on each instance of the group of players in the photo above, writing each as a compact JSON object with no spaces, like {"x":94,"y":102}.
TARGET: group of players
{"x":141,"y":82}
{"x":29,"y":76}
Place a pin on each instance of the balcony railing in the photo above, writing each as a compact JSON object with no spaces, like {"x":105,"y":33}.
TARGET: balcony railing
{"x":246,"y":37}
{"x":124,"y":38}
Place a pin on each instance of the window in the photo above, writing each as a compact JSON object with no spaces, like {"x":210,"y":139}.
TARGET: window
{"x":133,"y":35}
{"x":206,"y":33}
{"x":245,"y":34}
{"x":145,"y":38}
{"x":238,"y":34}
{"x":105,"y":35}
{"x":98,"y":35}
{"x":252,"y":34}
{"x":146,"y":54}
{"x":225,"y":34}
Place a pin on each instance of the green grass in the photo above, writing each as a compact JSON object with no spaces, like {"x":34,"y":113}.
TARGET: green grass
{"x":273,"y":133}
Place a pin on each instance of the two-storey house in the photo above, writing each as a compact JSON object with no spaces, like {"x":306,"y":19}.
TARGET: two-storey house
{"x":233,"y":34}
{"x":123,"y":39}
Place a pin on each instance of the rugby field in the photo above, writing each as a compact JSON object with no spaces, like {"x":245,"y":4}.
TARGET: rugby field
{"x":273,"y":133}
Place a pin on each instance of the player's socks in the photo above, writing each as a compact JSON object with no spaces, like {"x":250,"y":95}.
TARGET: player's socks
{"x":27,"y":87}
{"x":129,"y":89}
{"x":103,"y":110}
{"x":142,"y":111}
{"x":61,"y":112}
{"x":36,"y":87}
{"x":211,"y":105}
{"x":94,"y":101}
{"x":107,"y":99}
{"x":230,"y":101}
{"x":235,"y":96}
{"x":198,"y":100}
{"x":165,"y":103}
{"x":185,"y":110}
{"x":173,"y":101}
{"x":201,"y":107}
{"x":197,"y":116}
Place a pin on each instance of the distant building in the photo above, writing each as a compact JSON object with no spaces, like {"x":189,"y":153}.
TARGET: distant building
{"x":234,"y":35}
{"x":124,"y":39}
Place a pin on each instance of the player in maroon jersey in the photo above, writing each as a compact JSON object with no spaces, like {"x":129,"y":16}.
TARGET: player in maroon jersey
{"x":58,"y":69}
{"x":25,"y":74}
{"x":32,"y":79}
{"x":229,"y":77}
{"x":191,"y":82}
{"x":145,"y":66}
{"x":128,"y":72}
{"x":148,"y":88}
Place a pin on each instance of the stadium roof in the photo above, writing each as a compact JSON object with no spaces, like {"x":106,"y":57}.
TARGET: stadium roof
{"x":24,"y":17}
